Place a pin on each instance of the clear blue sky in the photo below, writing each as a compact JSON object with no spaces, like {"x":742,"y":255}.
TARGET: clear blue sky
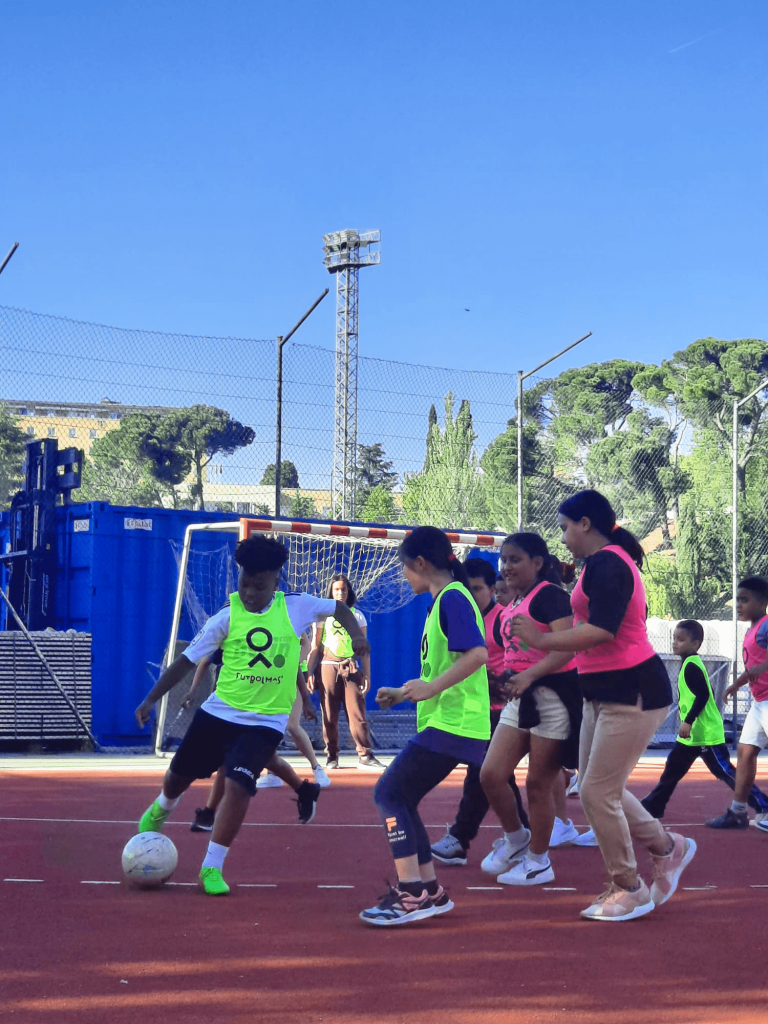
{"x":556,"y":167}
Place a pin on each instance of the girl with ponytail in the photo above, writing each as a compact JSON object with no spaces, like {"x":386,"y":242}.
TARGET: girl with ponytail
{"x":544,"y":713}
{"x":627,"y":695}
{"x":453,"y":723}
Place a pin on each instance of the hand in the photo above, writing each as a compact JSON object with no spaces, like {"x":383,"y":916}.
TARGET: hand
{"x":311,"y":683}
{"x":360,"y":646}
{"x":365,"y":686}
{"x":731,"y":690}
{"x":416,"y":690}
{"x":386,"y":696}
{"x":308,"y":710}
{"x":685,"y":730}
{"x":754,"y":673}
{"x":524,"y":629}
{"x":187,"y":700}
{"x":519,"y":683}
{"x":144,"y":712}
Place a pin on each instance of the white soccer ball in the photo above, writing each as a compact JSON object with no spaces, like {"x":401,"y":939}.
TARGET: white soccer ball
{"x":149,"y":859}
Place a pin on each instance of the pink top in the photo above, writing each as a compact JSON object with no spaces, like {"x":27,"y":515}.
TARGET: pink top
{"x":495,"y":650}
{"x":517,"y":655}
{"x":754,"y":654}
{"x":631,"y":645}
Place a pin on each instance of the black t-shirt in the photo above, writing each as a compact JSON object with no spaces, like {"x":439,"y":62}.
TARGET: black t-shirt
{"x":550,"y":604}
{"x":697,"y":683}
{"x":609,"y":584}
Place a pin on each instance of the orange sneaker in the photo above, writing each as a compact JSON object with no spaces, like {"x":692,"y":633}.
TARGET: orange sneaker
{"x":617,"y":904}
{"x":667,"y":869}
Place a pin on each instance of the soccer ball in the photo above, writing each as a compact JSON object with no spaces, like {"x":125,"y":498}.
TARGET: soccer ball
{"x":149,"y":859}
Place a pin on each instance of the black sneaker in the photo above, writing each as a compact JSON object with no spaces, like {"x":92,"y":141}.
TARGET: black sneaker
{"x":731,"y":819}
{"x":203,"y":820}
{"x":397,"y":907}
{"x":331,"y":763}
{"x":441,"y":901}
{"x":368,"y":763}
{"x":307,"y":796}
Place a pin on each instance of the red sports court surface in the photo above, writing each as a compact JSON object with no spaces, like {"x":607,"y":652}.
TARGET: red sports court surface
{"x":77,"y":945}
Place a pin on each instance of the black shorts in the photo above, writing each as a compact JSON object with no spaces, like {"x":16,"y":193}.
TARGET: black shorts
{"x":211,"y":742}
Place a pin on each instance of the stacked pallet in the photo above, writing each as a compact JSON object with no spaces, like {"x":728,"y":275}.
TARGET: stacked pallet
{"x":32,"y":708}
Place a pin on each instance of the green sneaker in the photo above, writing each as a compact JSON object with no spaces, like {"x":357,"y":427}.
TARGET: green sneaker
{"x":153,"y":819}
{"x":213,"y":883}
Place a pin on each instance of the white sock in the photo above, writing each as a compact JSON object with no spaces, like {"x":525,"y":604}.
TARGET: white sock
{"x":538,"y":858}
{"x":214,"y":858}
{"x":166,"y":803}
{"x":520,"y":836}
{"x":738,"y":808}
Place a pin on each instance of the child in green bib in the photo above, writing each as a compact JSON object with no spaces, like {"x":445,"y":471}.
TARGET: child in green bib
{"x":701,"y":727}
{"x":453,"y":723}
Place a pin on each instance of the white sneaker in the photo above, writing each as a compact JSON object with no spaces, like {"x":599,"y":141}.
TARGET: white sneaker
{"x":760,"y":821}
{"x":528,"y":872}
{"x":587,"y":838}
{"x":572,"y":789}
{"x":268,"y":781}
{"x":321,"y":777}
{"x":504,"y":854}
{"x":563,"y":832}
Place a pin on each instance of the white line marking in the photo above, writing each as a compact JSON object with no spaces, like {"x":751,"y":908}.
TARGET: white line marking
{"x":335,"y":887}
{"x":256,"y":885}
{"x":23,"y":879}
{"x":559,"y":888}
{"x":89,"y":882}
{"x":181,"y":883}
{"x":758,"y":887}
{"x":484,"y":888}
{"x":697,"y":888}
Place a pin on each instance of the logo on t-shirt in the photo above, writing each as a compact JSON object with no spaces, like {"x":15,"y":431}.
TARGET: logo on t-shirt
{"x":513,"y":643}
{"x":253,"y":639}
{"x":425,"y":669}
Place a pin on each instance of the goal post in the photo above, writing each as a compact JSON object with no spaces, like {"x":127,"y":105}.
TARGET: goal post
{"x":367,"y":554}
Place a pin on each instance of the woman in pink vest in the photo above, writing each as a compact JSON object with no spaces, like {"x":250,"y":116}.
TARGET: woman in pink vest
{"x":627,"y":695}
{"x":544,"y":712}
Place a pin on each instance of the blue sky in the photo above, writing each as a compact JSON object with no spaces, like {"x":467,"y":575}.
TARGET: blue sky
{"x":555,"y":167}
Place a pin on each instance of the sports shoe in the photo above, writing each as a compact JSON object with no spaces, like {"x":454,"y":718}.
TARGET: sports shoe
{"x":563,"y":832}
{"x":368,"y":763}
{"x":449,"y":850}
{"x":268,"y":781}
{"x":668,"y":868}
{"x":441,"y":901}
{"x":504,"y":854}
{"x":572,"y":789}
{"x":587,"y":838}
{"x":203,"y":820}
{"x":760,"y":821}
{"x":153,"y":819}
{"x":528,"y":872}
{"x":731,"y":819}
{"x":398,"y":907}
{"x":213,"y":883}
{"x":617,"y":904}
{"x":331,"y":764}
{"x":307,"y":796}
{"x":321,"y":778}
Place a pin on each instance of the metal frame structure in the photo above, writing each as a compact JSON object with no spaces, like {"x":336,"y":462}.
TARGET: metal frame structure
{"x":345,"y":253}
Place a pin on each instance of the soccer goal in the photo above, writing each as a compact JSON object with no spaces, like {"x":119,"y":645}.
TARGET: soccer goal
{"x":207,"y":575}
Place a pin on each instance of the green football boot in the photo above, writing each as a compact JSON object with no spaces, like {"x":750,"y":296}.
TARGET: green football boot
{"x":213,"y":883}
{"x":153,"y":819}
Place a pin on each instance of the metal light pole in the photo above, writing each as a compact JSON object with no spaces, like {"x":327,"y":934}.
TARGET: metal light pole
{"x":520,"y":378}
{"x":279,"y":403}
{"x":13,"y":249}
{"x":737,"y":404}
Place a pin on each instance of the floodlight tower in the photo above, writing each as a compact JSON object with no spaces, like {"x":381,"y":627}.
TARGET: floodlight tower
{"x":345,"y":253}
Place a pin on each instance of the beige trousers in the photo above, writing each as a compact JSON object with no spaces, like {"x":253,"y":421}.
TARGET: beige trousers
{"x":613,"y":737}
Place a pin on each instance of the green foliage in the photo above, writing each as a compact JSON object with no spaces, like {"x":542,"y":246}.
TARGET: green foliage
{"x":302,"y":506}
{"x":373,"y":470}
{"x":130,"y":466}
{"x":199,"y":434}
{"x":289,"y":475}
{"x":379,"y":506}
{"x":12,"y":453}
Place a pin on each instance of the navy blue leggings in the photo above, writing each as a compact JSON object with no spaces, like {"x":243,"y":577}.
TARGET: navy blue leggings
{"x":414,"y":772}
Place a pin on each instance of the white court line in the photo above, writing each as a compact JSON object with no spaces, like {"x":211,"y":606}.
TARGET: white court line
{"x":758,"y":887}
{"x":88,"y":881}
{"x":335,"y":887}
{"x":484,"y":888}
{"x":178,"y":883}
{"x":23,"y":879}
{"x":256,"y":885}
{"x":697,"y":888}
{"x":559,"y":888}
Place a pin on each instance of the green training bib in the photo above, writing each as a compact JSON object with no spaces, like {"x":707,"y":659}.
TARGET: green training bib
{"x":707,"y":730}
{"x":260,"y":659}
{"x":464,"y":709}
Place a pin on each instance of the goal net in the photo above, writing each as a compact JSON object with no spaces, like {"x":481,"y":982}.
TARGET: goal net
{"x":207,"y":575}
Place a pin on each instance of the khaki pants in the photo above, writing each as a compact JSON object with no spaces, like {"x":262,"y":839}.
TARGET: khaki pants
{"x":613,"y":736}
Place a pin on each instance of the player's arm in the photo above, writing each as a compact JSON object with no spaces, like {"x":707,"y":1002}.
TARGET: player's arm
{"x":346,"y":618}
{"x":169,"y":678}
{"x":200,"y":672}
{"x":307,"y":708}
{"x":314,"y":655}
{"x":553,"y":662}
{"x":416,"y":689}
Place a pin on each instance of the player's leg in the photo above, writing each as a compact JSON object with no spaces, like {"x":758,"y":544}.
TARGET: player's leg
{"x":198,"y":757}
{"x":248,"y":752}
{"x":718,"y":760}
{"x":331,"y":700}
{"x":508,"y":747}
{"x":354,"y":706}
{"x":678,"y":764}
{"x":303,"y":743}
{"x":307,"y":793}
{"x":204,"y":816}
{"x":754,"y":736}
{"x":413,"y":773}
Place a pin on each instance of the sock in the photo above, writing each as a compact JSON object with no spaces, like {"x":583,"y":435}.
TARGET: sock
{"x":518,"y":837}
{"x":214,"y":858}
{"x":635,"y":887}
{"x":538,"y":858}
{"x":738,"y":808}
{"x":412,"y":888}
{"x":431,"y":887}
{"x":166,"y":803}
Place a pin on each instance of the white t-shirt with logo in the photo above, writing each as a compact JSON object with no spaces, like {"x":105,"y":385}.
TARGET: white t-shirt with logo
{"x":303,"y":610}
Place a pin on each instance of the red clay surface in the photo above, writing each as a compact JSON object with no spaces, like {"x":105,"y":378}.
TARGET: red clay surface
{"x":92,"y":953}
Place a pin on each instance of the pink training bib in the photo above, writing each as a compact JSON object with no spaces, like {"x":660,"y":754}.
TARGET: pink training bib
{"x":754,"y":654}
{"x":495,"y":650}
{"x":517,"y":655}
{"x":631,"y":645}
